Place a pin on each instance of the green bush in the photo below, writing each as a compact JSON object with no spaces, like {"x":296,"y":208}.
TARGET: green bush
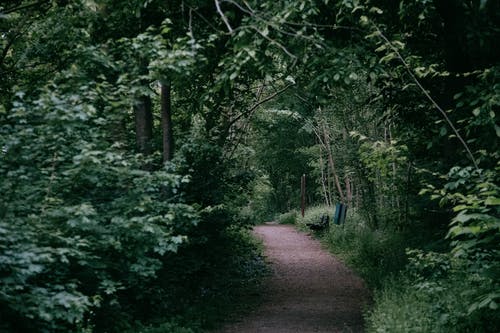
{"x":439,"y":303}
{"x":91,"y":239}
{"x":84,"y":229}
{"x":313,"y":215}
{"x":287,"y":218}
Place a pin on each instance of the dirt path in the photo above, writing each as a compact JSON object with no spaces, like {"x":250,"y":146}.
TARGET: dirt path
{"x":309,"y":290}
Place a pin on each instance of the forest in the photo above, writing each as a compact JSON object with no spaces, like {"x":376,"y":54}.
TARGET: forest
{"x":141,"y":140}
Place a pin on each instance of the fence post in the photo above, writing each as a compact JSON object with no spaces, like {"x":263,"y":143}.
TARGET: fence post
{"x":303,"y":194}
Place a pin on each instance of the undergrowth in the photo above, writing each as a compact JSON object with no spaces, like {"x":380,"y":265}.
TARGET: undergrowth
{"x":432,"y":305}
{"x":229,"y":290}
{"x":417,"y":285}
{"x":375,"y":255}
{"x":287,"y":218}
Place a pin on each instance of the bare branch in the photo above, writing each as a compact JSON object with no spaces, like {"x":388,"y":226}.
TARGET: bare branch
{"x":252,"y":109}
{"x":190,"y":25}
{"x":251,"y":13}
{"x":224,"y":18}
{"x":204,"y":19}
{"x":278,"y":44}
{"x":269,"y":22}
{"x":15,"y":9}
{"x":259,"y":103}
{"x":324,"y":26}
{"x":248,"y":6}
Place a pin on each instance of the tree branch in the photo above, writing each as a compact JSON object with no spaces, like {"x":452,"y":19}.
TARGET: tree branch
{"x":23,"y":27}
{"x":427,"y":95}
{"x":272,"y":41}
{"x":15,"y":9}
{"x":224,"y":18}
{"x":251,"y":110}
{"x":269,"y":22}
{"x":259,"y":103}
{"x":204,"y":19}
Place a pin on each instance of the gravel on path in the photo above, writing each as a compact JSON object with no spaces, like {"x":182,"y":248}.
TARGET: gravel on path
{"x":309,"y":289}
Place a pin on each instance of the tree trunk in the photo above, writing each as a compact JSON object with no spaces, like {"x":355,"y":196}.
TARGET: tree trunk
{"x":347,"y":177}
{"x":143,"y":125}
{"x":332,"y":164}
{"x":348,"y":189}
{"x":326,"y":193}
{"x":166,"y":122}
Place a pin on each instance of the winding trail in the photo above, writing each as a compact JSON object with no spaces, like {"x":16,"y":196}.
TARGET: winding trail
{"x":309,"y":290}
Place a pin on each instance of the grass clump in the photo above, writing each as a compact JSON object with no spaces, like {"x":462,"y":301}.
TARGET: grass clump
{"x":287,"y":218}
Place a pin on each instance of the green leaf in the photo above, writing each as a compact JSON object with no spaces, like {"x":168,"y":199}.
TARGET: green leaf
{"x":460,"y":208}
{"x":233,"y":75}
{"x":356,"y":8}
{"x":492,"y":201}
{"x":388,"y":57}
{"x":398,"y":44}
{"x":363,"y":20}
{"x":376,"y":10}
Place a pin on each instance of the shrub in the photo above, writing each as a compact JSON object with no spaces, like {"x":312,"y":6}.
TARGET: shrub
{"x":287,"y":218}
{"x":438,"y":303}
{"x":313,"y":215}
{"x":89,"y":239}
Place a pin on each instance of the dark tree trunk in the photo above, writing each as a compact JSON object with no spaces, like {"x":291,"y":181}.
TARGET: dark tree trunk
{"x":166,"y":122}
{"x":143,"y":125}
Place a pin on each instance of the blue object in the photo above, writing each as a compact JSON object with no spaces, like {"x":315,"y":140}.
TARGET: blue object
{"x":340,"y":214}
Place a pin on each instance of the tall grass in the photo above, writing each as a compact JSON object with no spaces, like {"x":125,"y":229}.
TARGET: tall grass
{"x":414,"y":291}
{"x":375,"y":255}
{"x":438,"y":305}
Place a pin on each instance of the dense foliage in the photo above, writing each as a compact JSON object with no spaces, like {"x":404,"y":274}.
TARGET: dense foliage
{"x":96,"y":232}
{"x":138,"y":138}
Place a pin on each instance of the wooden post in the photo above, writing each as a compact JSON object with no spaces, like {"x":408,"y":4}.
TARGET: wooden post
{"x":166,"y":122}
{"x":303,"y":194}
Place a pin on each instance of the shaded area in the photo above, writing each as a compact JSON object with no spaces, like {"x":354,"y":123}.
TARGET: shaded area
{"x":309,"y":290}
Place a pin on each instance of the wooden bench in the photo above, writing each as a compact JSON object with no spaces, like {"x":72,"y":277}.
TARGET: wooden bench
{"x":323,"y":223}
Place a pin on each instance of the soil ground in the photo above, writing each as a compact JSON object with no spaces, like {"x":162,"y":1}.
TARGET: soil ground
{"x":309,"y":289}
